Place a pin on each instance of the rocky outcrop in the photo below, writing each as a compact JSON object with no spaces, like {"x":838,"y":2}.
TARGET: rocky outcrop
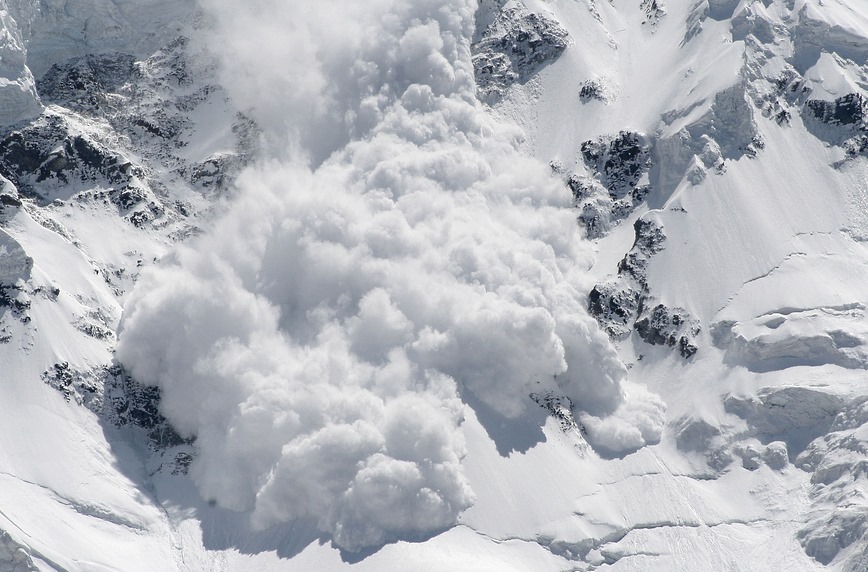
{"x":669,"y":326}
{"x":654,"y":11}
{"x":618,"y":183}
{"x":842,"y":121}
{"x":616,"y":303}
{"x":113,"y":395}
{"x":619,"y":162}
{"x":50,"y":155}
{"x":87,"y":83}
{"x":516,"y":46}
{"x":116,"y":134}
{"x":624,"y":304}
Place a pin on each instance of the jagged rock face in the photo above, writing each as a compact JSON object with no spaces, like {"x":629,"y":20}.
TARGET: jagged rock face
{"x":87,"y":83}
{"x":619,"y":166}
{"x":110,"y":148}
{"x":150,"y":102}
{"x":50,"y":154}
{"x":614,"y":306}
{"x":592,"y":89}
{"x":516,"y":45}
{"x":624,"y":304}
{"x":664,"y":326}
{"x":76,"y":155}
{"x":848,"y":109}
{"x":618,"y":161}
{"x":142,"y":110}
{"x":113,"y":395}
{"x":843,"y":121}
{"x":649,"y":239}
{"x":654,"y":11}
{"x":617,"y":303}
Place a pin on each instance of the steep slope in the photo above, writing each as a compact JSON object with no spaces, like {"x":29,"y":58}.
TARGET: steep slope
{"x":628,"y":336}
{"x":757,"y":186}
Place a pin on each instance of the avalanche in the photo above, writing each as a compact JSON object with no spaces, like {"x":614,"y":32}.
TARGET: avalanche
{"x":522,"y":285}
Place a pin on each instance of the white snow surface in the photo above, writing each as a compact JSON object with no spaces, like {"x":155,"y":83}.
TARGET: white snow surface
{"x":353,"y":341}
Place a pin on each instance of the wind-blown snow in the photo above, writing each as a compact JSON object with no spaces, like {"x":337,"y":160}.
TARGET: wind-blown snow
{"x":320,"y":340}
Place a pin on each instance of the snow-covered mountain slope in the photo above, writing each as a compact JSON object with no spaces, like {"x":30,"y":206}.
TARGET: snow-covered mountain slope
{"x":523,"y":285}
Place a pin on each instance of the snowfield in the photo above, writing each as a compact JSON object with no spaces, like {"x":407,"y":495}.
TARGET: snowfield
{"x":507,"y":285}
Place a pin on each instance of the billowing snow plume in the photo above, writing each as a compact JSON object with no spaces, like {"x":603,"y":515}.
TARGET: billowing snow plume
{"x":319,"y":341}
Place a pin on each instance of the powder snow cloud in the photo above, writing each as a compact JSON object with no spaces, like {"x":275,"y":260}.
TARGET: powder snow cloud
{"x":394,"y":252}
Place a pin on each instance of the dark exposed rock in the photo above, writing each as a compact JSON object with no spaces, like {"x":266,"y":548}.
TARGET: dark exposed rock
{"x":622,"y":304}
{"x":112,"y":115}
{"x":856,"y":146}
{"x":618,"y":165}
{"x":86,"y":83}
{"x":140,"y":218}
{"x":130,"y":403}
{"x":130,"y":196}
{"x":182,"y":463}
{"x":516,"y":46}
{"x":669,"y":326}
{"x":648,"y":241}
{"x":850,"y":109}
{"x":843,"y":122}
{"x":51,"y":150}
{"x":151,"y":126}
{"x":214,"y":172}
{"x":654,"y":11}
{"x":72,"y":384}
{"x":592,"y":89}
{"x":13,"y":298}
{"x":560,"y":407}
{"x":9,"y":200}
{"x":618,"y":161}
{"x":113,"y":395}
{"x":616,"y":303}
{"x":93,"y":330}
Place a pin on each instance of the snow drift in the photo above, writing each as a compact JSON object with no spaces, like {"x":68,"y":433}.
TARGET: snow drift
{"x":394,"y":254}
